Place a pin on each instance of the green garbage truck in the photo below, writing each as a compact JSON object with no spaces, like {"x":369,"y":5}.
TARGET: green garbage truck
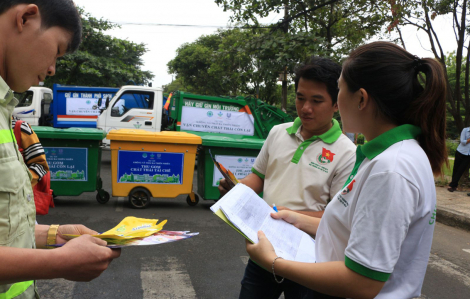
{"x":232,"y":129}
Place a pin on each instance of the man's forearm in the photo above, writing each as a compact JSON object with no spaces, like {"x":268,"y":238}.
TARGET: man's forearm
{"x":20,"y":264}
{"x":40,"y":233}
{"x":254,"y":182}
{"x":318,"y":214}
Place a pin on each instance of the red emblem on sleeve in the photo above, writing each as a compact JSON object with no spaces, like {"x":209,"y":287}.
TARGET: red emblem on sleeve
{"x":348,"y":188}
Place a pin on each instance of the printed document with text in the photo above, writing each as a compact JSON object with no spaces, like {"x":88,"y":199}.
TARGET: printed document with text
{"x":245,"y":210}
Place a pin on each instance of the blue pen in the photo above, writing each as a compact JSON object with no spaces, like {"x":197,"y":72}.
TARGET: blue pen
{"x":274,"y":207}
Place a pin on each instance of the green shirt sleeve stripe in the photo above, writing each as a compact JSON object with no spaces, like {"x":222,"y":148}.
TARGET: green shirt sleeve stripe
{"x":372,"y":274}
{"x":257,"y":173}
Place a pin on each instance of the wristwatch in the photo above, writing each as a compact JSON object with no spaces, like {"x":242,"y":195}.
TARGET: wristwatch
{"x":52,"y":235}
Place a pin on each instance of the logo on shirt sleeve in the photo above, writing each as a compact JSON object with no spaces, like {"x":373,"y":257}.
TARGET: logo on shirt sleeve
{"x":348,"y":188}
{"x":345,"y":191}
{"x":326,"y":156}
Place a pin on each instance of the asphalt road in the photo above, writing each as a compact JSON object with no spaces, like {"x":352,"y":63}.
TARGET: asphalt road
{"x":211,"y":264}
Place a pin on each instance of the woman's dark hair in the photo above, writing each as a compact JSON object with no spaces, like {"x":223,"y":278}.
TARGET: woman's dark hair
{"x":322,"y":70}
{"x":60,"y":13}
{"x":390,"y":75}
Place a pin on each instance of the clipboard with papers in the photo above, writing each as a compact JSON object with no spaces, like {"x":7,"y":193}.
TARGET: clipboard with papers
{"x":247,"y":213}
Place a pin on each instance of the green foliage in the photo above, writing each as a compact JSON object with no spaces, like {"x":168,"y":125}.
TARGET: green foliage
{"x":177,"y":84}
{"x":240,"y":62}
{"x":101,"y":60}
{"x":211,"y":66}
{"x":248,"y":61}
{"x":452,"y":129}
{"x":360,"y":139}
{"x":338,"y":25}
{"x":451,"y":148}
{"x":421,"y":15}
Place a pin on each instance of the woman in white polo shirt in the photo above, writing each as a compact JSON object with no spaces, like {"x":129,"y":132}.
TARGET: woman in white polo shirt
{"x":375,"y":237}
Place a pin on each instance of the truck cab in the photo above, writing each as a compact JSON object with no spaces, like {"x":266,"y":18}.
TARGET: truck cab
{"x":34,"y":106}
{"x":133,"y":107}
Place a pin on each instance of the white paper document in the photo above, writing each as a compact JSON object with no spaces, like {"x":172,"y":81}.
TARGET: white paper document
{"x":250,"y":213}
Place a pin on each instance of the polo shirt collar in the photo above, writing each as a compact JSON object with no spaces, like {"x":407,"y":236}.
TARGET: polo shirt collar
{"x":6,"y":94}
{"x":379,"y":144}
{"x":329,"y":136}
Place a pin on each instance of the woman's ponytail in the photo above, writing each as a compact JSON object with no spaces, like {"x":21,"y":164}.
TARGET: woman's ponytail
{"x":406,"y":89}
{"x":428,"y":111}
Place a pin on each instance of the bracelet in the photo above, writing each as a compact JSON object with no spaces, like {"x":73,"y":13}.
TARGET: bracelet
{"x":52,"y":235}
{"x":273,"y":270}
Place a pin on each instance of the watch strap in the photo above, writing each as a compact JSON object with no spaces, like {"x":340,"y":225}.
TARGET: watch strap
{"x":52,"y":234}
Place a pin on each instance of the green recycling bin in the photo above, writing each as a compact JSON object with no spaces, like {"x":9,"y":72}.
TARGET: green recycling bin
{"x":235,"y":152}
{"x":74,"y":159}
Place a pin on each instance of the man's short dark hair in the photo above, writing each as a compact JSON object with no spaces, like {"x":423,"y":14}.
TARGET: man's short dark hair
{"x":60,"y":13}
{"x":322,"y":70}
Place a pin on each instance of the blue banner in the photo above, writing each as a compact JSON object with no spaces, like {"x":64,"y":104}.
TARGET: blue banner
{"x":150,"y":167}
{"x":67,"y":163}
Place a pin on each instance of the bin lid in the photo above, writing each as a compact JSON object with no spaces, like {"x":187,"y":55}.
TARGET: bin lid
{"x":229,"y":140}
{"x":69,"y":133}
{"x":160,"y":137}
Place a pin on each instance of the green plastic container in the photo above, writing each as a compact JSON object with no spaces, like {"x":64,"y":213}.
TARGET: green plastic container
{"x":235,"y":152}
{"x":74,"y":158}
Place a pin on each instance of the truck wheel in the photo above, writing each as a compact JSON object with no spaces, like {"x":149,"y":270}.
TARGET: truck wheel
{"x":103,"y":197}
{"x":192,"y":203}
{"x":139,"y":198}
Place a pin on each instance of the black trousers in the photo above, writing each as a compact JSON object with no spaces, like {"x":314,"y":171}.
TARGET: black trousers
{"x":461,"y":163}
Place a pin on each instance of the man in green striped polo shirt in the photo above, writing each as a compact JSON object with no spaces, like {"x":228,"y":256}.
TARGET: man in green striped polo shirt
{"x":301,"y":166}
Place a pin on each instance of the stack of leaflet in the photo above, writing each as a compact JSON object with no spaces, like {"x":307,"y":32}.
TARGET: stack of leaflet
{"x":226,"y":173}
{"x":132,"y":231}
{"x":247,"y":213}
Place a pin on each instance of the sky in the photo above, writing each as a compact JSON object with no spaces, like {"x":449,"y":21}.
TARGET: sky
{"x":157,"y":23}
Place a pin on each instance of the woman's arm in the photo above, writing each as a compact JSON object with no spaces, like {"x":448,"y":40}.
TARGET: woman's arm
{"x":331,"y":278}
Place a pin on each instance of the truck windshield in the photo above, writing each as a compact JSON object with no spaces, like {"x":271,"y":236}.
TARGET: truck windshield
{"x":25,"y":98}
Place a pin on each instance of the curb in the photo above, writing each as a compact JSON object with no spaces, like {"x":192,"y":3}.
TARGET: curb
{"x":453,"y":218}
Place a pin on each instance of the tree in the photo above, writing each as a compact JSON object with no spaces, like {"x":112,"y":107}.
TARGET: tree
{"x":327,"y":28}
{"x":176,"y":85}
{"x":452,"y":130}
{"x":342,"y":24}
{"x":212,"y":65}
{"x":421,"y":15}
{"x":101,"y":60}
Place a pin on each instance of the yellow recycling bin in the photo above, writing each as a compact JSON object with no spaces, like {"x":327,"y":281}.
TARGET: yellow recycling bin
{"x":153,"y":164}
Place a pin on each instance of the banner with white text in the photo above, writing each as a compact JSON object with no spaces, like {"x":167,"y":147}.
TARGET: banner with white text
{"x":217,"y":121}
{"x":240,"y":166}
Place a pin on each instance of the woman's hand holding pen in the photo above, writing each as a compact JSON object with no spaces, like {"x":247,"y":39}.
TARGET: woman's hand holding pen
{"x":282,"y":208}
{"x":288,"y":216}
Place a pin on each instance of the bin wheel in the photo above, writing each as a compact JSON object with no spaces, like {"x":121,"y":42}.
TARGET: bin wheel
{"x":139,"y":198}
{"x":192,"y":203}
{"x":103,"y":197}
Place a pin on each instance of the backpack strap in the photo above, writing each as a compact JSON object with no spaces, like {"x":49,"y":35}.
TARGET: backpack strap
{"x":17,"y":131}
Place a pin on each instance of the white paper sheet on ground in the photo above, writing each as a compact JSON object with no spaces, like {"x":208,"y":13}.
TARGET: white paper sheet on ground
{"x":250,"y":213}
